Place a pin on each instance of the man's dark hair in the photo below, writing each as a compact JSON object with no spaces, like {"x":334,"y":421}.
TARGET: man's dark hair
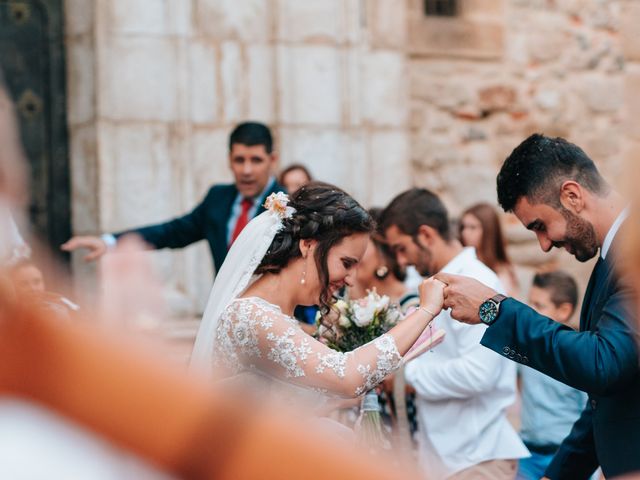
{"x":537,"y":168}
{"x":560,"y":285}
{"x":416,"y":207}
{"x":251,"y":134}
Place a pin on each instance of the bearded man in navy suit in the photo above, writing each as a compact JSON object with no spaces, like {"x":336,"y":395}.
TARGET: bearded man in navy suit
{"x":556,"y":191}
{"x":223,"y":212}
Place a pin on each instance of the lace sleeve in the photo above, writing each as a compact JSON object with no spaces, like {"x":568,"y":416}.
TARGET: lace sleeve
{"x":262,"y":337}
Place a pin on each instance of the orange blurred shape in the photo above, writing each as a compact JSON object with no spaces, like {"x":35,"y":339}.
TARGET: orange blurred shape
{"x":142,"y":403}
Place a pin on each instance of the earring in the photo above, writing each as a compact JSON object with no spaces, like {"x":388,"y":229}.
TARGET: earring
{"x":382,"y":272}
{"x":303,"y":280}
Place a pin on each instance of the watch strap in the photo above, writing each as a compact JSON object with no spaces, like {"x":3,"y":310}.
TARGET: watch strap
{"x":498,"y":298}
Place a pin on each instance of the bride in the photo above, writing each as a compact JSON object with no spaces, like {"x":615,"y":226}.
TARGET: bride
{"x":299,"y":253}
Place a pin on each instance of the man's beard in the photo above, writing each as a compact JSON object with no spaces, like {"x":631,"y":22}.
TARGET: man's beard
{"x":424,"y":259}
{"x":580,"y":237}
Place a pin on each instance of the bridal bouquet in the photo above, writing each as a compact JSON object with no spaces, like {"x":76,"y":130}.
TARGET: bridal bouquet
{"x":348,"y":326}
{"x":351,"y":324}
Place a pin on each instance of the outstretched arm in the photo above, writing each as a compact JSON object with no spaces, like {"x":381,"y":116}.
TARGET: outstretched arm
{"x":599,"y":361}
{"x":276,"y":343}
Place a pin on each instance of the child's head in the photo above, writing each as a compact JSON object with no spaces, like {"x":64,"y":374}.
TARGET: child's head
{"x":27,"y":278}
{"x":554,"y":295}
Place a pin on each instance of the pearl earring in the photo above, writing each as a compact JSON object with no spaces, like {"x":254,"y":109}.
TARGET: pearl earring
{"x":303,"y":280}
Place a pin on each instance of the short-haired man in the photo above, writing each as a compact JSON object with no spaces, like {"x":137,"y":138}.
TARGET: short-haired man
{"x":556,"y":191}
{"x":549,"y":408}
{"x":462,"y":389}
{"x":224,"y":211}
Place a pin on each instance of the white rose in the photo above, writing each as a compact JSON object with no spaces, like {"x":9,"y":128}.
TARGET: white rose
{"x":344,"y":321}
{"x":341,"y":306}
{"x":363,"y":314}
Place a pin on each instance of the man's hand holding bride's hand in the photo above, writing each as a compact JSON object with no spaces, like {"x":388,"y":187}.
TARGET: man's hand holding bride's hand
{"x":464,"y":295}
{"x":432,"y":295}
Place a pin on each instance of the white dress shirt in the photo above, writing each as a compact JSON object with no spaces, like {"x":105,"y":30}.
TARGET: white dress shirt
{"x":613,"y":231}
{"x":463,"y":390}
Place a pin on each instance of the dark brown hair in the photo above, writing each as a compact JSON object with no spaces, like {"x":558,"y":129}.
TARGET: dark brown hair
{"x":492,"y":250}
{"x":560,"y":285}
{"x":383,"y":247}
{"x":291,"y":168}
{"x":416,"y":207}
{"x":323,"y":213}
{"x":537,"y":168}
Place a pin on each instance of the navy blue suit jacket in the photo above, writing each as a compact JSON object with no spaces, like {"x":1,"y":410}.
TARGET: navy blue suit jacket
{"x":207,"y":221}
{"x":601,"y":359}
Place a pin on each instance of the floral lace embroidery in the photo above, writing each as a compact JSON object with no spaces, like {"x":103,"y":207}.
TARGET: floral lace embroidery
{"x":252,"y":331}
{"x":388,"y":360}
{"x":285,"y":353}
{"x":336,"y":361}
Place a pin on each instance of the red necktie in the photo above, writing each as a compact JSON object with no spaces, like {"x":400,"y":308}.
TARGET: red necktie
{"x":243,"y":219}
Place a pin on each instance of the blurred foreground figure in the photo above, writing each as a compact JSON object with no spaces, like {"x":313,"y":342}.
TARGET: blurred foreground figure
{"x":143,"y":405}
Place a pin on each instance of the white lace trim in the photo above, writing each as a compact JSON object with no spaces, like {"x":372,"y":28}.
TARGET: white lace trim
{"x":248,"y":320}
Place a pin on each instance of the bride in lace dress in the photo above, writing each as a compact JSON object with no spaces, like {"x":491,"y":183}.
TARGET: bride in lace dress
{"x":299,"y":253}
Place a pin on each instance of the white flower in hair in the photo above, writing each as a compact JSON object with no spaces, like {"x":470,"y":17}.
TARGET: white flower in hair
{"x":278,"y":203}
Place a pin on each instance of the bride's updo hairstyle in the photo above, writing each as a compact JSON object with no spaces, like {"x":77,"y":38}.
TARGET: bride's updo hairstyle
{"x":324,"y":213}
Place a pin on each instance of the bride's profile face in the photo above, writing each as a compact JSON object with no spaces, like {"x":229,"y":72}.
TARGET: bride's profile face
{"x":342,"y":264}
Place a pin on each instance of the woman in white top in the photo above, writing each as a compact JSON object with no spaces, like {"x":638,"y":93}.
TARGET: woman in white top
{"x":299,"y":253}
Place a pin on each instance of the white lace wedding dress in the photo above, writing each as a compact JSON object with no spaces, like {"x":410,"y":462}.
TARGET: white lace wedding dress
{"x":257,"y":339}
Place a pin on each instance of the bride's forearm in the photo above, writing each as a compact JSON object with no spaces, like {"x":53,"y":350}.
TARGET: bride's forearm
{"x":408,"y":330}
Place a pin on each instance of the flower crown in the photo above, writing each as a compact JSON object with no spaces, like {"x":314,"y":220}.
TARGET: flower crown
{"x":278,"y":203}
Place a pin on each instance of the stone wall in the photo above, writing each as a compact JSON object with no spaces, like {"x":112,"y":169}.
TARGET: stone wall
{"x":513,"y":68}
{"x":370,"y":94}
{"x":155,"y":86}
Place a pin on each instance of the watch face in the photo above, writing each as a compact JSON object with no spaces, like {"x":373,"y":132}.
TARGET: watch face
{"x":488,"y":312}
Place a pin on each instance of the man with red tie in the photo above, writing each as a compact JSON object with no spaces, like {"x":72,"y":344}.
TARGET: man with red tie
{"x":224,"y":211}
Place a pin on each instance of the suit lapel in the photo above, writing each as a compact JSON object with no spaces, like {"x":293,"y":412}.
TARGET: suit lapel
{"x":600,"y":279}
{"x":222,"y":212}
{"x":585,"y":312}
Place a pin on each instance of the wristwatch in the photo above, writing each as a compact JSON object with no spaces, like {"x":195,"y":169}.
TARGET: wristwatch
{"x":489,"y":310}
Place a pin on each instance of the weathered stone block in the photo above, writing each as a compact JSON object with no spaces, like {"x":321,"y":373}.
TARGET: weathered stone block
{"x":137,"y":182}
{"x":204,"y":95}
{"x":632,"y":102}
{"x":629,"y":32}
{"x":310,"y":85}
{"x":455,"y":37}
{"x":81,"y":80}
{"x":497,"y":97}
{"x":233,"y":20}
{"x":390,"y":172}
{"x":602,"y":94}
{"x":385,"y":88}
{"x":388,"y":24}
{"x":84,"y":180}
{"x":233,"y":69}
{"x":78,"y":17}
{"x":138,"y":79}
{"x":321,"y":21}
{"x":137,"y":17}
{"x":261,"y":83}
{"x":210,"y":162}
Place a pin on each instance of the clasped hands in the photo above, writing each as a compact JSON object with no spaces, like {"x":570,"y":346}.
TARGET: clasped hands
{"x":463,"y":295}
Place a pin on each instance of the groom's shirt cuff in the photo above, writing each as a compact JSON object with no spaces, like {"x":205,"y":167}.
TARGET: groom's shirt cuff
{"x":110,"y":240}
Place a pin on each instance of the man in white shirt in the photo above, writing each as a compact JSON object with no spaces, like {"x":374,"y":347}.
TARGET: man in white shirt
{"x":462,"y":389}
